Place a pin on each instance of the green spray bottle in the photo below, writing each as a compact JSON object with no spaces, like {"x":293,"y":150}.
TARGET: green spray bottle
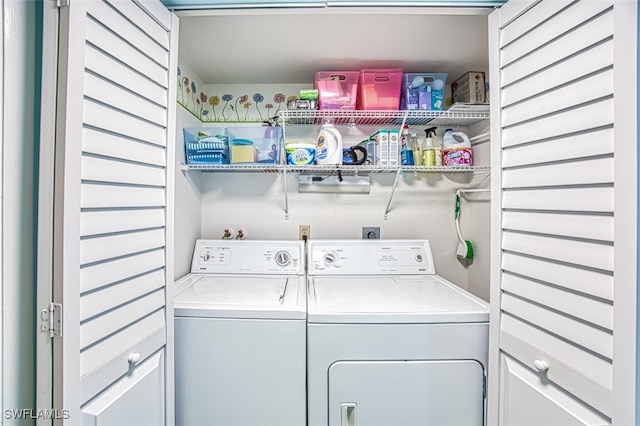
{"x":428,"y":152}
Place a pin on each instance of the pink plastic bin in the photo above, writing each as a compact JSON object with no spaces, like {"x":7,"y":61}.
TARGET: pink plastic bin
{"x":337,"y":89}
{"x":379,"y":89}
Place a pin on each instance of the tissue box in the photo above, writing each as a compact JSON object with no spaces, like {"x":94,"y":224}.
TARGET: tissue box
{"x":206,"y":145}
{"x":248,"y":145}
{"x":337,"y":89}
{"x":423,"y":91}
{"x":469,"y":88}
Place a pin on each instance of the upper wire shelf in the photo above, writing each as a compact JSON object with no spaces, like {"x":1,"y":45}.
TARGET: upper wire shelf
{"x":377,"y":118}
{"x":350,"y":169}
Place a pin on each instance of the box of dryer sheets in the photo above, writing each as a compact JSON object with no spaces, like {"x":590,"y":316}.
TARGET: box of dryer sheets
{"x":394,"y":147}
{"x":381,"y":138}
{"x":469,"y":88}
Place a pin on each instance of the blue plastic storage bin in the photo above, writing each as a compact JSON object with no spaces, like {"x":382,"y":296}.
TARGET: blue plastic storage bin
{"x":206,"y":145}
{"x":423,"y":91}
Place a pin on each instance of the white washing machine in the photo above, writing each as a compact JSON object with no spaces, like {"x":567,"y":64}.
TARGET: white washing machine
{"x":389,"y":342}
{"x":240,"y":335}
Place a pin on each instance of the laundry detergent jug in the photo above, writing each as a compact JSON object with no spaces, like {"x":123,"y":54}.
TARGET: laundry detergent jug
{"x":329,"y":145}
{"x":456,"y":149}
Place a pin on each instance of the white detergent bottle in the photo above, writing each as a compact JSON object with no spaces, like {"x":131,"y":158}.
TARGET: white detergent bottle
{"x":456,"y":149}
{"x":329,"y":145}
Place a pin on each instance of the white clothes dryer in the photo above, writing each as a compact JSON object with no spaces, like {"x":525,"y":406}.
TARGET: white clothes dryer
{"x":389,"y":342}
{"x":240,"y":335}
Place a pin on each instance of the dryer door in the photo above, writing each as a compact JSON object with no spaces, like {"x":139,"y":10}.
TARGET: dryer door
{"x":383,"y":393}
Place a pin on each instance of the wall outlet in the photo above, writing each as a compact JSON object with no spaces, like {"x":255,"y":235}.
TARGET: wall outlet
{"x":370,"y":232}
{"x":304,"y":232}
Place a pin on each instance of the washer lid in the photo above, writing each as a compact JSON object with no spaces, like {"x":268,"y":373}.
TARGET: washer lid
{"x":392,"y":299}
{"x":239,"y":297}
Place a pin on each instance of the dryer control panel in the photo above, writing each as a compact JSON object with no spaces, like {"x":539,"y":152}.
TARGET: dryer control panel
{"x":249,"y":257}
{"x":370,"y":257}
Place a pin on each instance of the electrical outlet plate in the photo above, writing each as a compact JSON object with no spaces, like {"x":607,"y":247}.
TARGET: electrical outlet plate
{"x":304,"y":232}
{"x":370,"y":232}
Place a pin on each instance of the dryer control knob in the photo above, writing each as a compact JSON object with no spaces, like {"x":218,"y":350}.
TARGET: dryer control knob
{"x":330,"y":258}
{"x":283,"y":258}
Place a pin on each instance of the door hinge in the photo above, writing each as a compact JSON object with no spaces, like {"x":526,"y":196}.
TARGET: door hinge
{"x":51,"y":319}
{"x":62,"y":3}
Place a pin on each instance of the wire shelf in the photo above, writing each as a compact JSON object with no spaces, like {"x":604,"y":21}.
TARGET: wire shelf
{"x":348,"y":169}
{"x":377,"y":118}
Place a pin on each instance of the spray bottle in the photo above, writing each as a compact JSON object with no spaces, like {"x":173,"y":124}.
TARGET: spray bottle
{"x":272,"y":141}
{"x":406,"y":154}
{"x":437,"y":148}
{"x":428,"y":155}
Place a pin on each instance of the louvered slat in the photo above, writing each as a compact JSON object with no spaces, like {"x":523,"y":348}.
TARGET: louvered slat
{"x":571,"y":277}
{"x":113,"y":246}
{"x":110,"y":145}
{"x":589,"y":226}
{"x":114,"y":121}
{"x":97,"y":169}
{"x":106,"y":273}
{"x":111,"y":221}
{"x":594,"y":143}
{"x":111,"y":196}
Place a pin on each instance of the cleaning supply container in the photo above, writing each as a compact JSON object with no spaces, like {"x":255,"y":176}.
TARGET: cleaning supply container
{"x":329,"y":145}
{"x":456,"y":149}
{"x":300,"y":153}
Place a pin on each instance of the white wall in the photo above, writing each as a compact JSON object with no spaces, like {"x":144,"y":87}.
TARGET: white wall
{"x":18,"y":205}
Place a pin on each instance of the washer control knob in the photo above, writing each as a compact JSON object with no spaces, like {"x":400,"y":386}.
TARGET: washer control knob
{"x":283,"y":258}
{"x":330,"y":258}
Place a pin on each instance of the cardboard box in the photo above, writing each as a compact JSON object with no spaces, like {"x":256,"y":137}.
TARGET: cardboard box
{"x":394,"y":147}
{"x":381,"y":138}
{"x":469,"y":88}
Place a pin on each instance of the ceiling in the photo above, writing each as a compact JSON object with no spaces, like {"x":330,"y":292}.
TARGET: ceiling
{"x":289,"y":46}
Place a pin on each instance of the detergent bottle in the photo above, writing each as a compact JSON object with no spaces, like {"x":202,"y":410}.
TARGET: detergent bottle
{"x":456,"y":149}
{"x":329,"y":145}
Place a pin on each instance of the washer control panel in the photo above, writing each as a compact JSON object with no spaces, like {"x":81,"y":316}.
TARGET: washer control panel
{"x":370,"y":257}
{"x":250,"y":257}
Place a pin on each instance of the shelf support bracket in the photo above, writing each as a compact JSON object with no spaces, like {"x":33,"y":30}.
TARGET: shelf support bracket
{"x":286,"y":194}
{"x":393,"y":191}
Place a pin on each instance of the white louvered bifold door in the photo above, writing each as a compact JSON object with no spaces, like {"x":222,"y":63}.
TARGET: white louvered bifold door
{"x":112,"y":239}
{"x":558,"y":134}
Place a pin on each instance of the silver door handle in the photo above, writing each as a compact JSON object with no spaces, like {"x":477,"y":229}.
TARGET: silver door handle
{"x":348,"y":414}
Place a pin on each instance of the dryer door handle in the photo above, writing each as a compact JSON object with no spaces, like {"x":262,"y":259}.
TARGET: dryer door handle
{"x":348,"y":414}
